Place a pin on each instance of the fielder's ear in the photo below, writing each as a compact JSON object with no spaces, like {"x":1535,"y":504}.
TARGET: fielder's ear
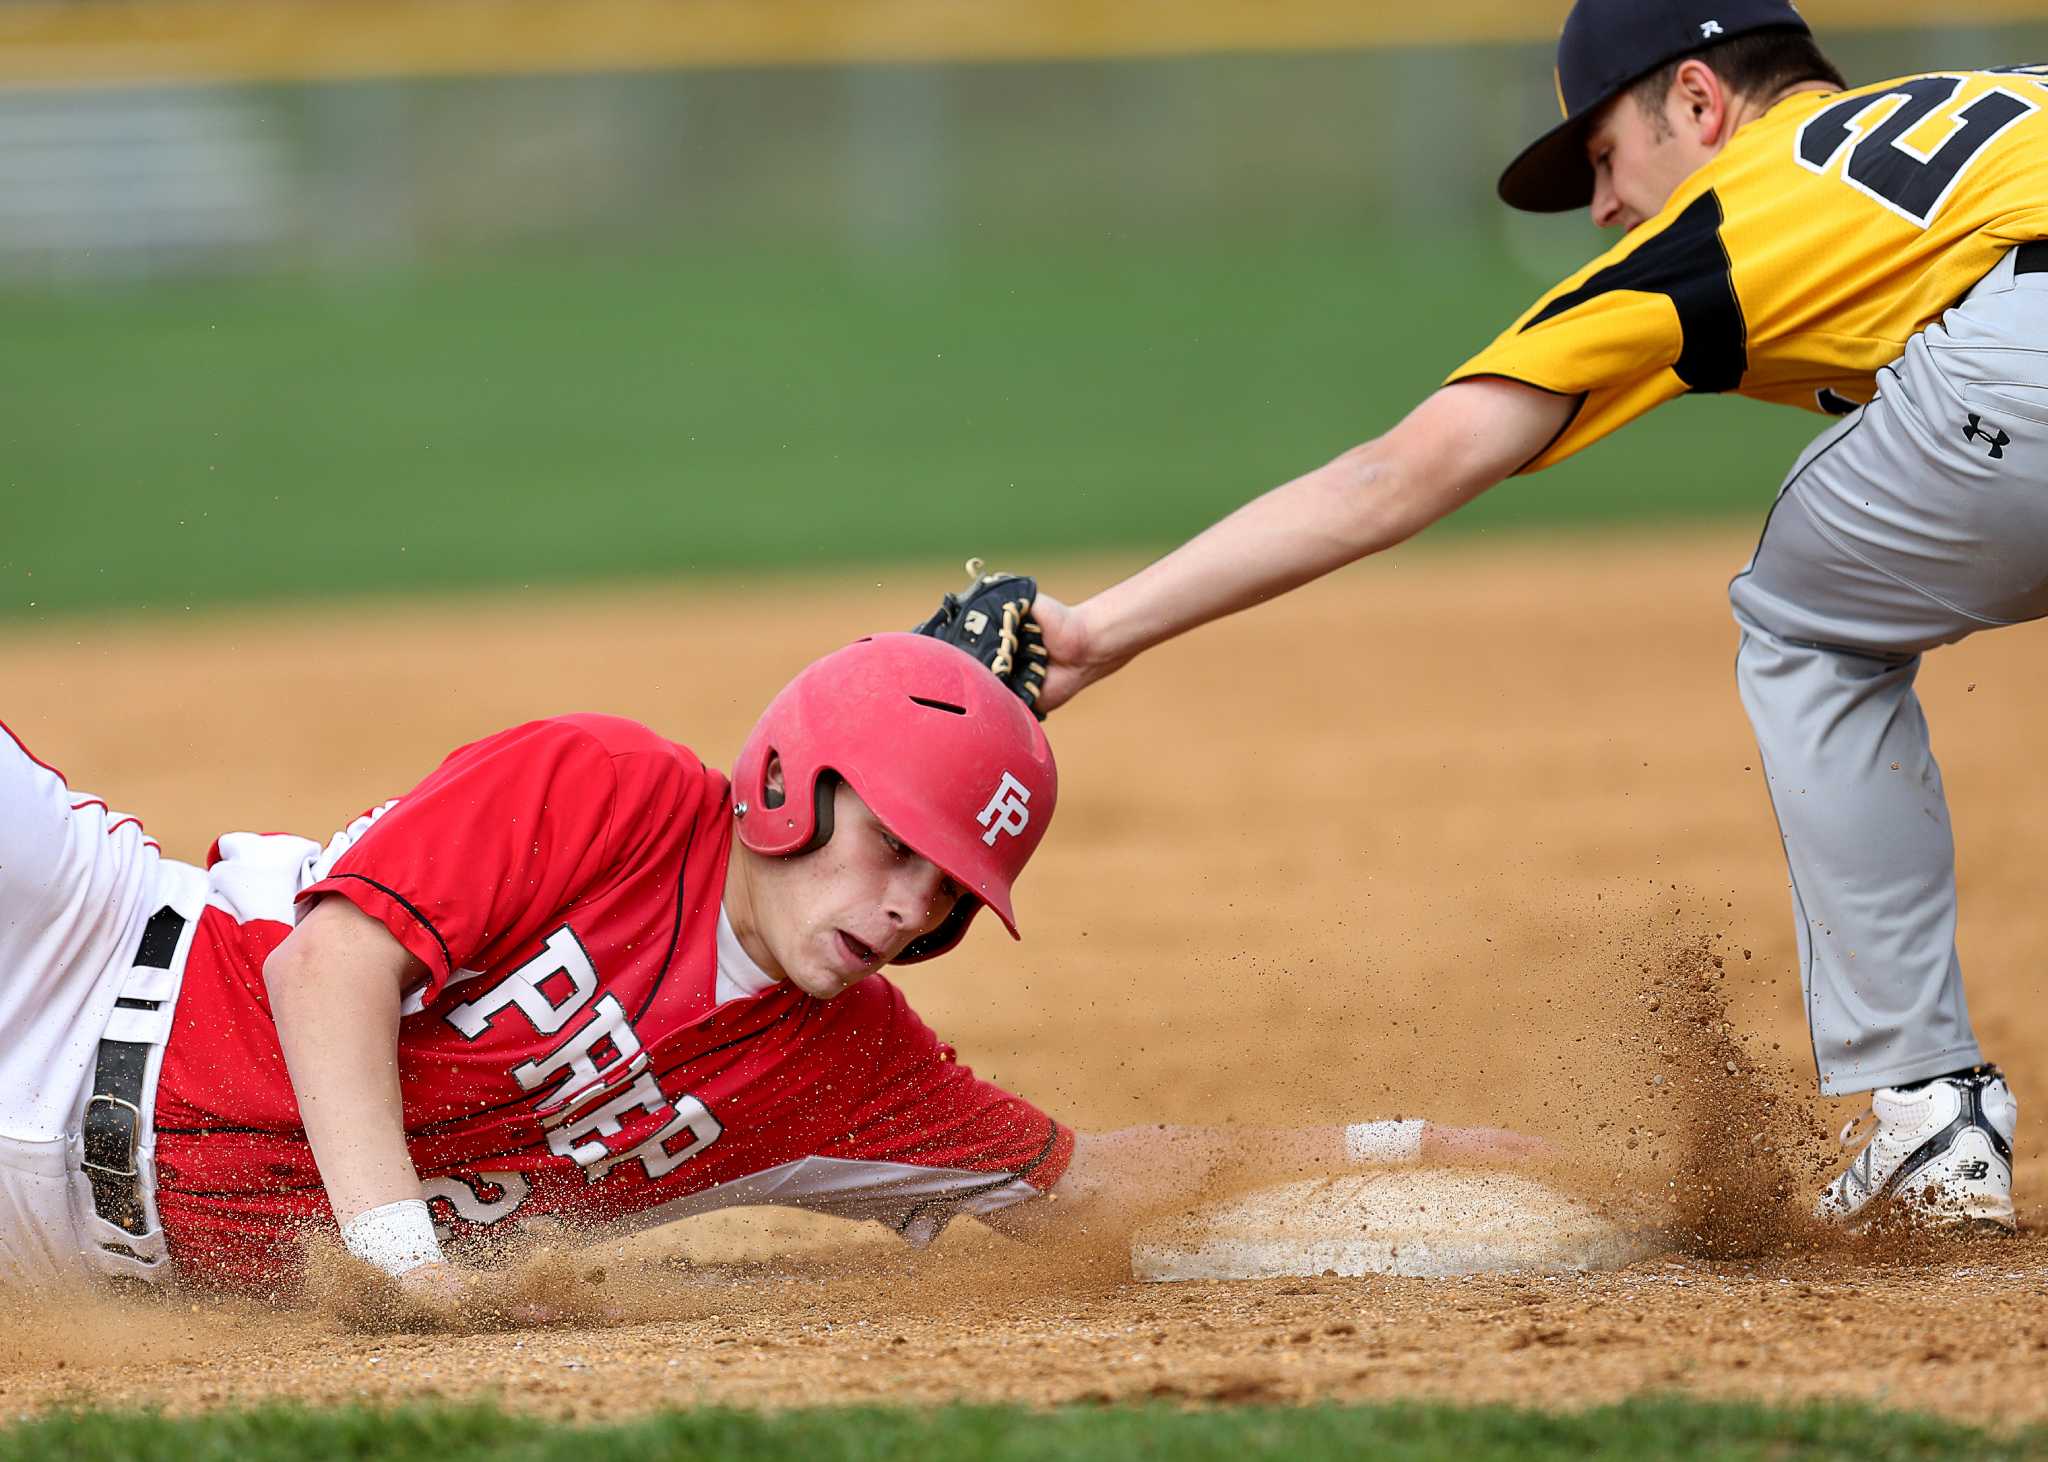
{"x":1705,"y":96}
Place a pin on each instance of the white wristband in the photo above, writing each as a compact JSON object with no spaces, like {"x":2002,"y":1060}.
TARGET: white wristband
{"x":1384,"y":1142}
{"x":397,"y":1238}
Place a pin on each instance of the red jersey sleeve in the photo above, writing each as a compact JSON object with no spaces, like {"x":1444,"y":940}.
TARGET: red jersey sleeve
{"x":921,"y":1107}
{"x":498,"y":840}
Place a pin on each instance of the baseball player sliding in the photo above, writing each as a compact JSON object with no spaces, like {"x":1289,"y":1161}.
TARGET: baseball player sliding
{"x":572,"y":973}
{"x":1878,"y":254}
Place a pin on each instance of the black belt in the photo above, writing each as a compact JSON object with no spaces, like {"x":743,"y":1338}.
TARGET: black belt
{"x":2031,"y":258}
{"x":113,"y":1114}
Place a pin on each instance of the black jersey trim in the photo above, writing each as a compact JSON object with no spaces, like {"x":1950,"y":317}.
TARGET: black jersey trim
{"x":1052,"y":1140}
{"x":1516,"y":380}
{"x":1688,"y":264}
{"x":1577,"y":398}
{"x":447,"y":960}
{"x":675,"y":939}
{"x":802,"y":1007}
{"x":1000,"y":1180}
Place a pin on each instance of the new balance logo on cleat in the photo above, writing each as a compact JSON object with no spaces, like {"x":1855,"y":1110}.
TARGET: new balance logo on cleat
{"x":1976,"y":431}
{"x":1941,"y":1150}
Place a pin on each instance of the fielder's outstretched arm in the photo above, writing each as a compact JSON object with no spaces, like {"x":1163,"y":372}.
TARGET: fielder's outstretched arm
{"x":1450,"y":449}
{"x":1117,"y":1179}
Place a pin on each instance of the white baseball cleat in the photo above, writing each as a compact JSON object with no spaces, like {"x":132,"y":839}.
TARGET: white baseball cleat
{"x":1942,"y":1148}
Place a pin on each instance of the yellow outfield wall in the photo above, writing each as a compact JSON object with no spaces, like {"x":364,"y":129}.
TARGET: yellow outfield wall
{"x":140,"y":41}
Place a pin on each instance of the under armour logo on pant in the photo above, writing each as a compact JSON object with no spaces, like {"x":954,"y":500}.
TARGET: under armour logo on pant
{"x":1977,"y":431}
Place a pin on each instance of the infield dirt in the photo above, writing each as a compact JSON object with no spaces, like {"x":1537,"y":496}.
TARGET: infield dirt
{"x":1474,"y":834}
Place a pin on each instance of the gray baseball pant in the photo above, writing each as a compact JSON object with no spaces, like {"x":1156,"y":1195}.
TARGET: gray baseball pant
{"x":1918,"y":520}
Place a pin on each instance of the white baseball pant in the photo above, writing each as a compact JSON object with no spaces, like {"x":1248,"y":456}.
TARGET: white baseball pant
{"x":78,"y":882}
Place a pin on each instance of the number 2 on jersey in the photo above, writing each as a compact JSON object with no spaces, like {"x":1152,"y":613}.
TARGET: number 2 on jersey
{"x":1883,"y":166}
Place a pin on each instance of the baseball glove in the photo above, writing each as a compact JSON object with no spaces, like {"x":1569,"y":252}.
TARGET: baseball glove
{"x":991,"y":620}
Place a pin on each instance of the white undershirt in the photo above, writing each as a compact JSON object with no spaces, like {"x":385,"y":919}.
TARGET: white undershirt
{"x":738,"y":976}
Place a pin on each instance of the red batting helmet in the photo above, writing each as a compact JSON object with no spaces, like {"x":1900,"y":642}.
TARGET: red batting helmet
{"x":939,"y":749}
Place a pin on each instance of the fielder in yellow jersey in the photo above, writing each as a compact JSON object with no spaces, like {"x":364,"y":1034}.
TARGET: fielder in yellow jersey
{"x":1799,"y":262}
{"x":1879,"y":254}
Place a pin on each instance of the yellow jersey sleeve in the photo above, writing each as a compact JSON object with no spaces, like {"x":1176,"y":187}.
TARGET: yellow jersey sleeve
{"x":1796,"y":265}
{"x":1653,"y":318}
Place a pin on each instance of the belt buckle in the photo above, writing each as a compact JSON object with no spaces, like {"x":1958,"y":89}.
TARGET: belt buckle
{"x":134,"y":1137}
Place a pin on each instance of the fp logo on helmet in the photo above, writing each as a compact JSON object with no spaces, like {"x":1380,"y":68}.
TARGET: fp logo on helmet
{"x":1008,"y":811}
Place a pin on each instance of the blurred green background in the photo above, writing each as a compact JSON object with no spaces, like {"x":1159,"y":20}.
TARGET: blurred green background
{"x":413,"y":334}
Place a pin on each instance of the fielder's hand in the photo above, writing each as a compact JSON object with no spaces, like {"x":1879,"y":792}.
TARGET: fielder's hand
{"x":991,"y":620}
{"x":1074,"y":661}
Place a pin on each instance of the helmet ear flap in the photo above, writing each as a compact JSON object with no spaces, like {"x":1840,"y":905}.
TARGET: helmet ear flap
{"x":763,"y":768}
{"x":822,"y":803}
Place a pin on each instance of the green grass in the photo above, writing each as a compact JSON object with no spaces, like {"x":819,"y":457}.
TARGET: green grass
{"x":571,"y":418}
{"x":1636,"y":1429}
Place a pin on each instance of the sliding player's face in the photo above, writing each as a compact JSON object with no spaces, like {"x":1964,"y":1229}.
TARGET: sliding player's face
{"x":834,"y":916}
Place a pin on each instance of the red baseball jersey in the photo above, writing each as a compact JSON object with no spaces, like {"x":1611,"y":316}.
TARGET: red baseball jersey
{"x":568,"y":1053}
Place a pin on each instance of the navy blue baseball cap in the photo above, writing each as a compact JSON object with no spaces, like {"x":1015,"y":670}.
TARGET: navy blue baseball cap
{"x":1607,"y":47}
